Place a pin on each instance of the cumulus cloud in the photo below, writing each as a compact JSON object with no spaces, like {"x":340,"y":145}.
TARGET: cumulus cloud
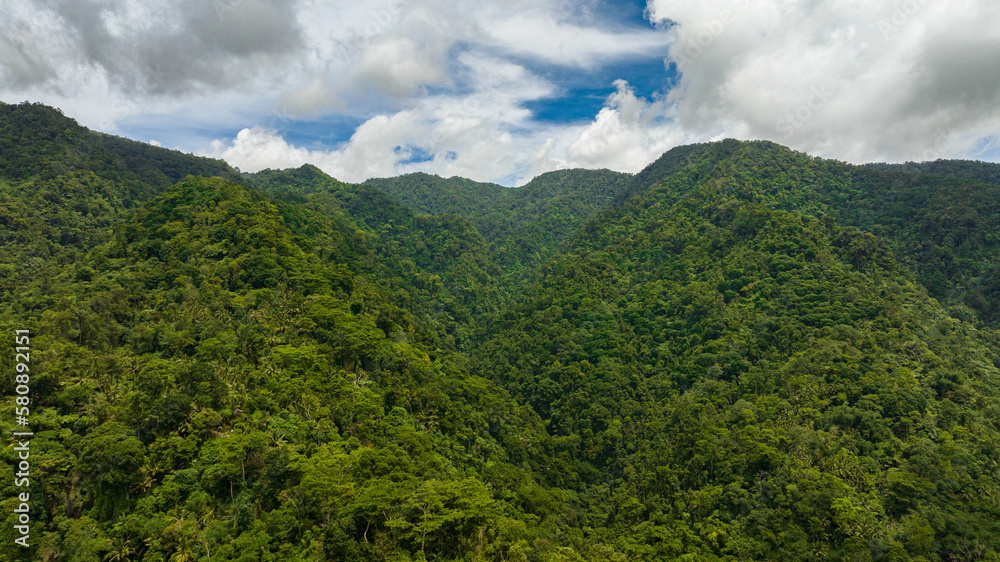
{"x":397,"y":50}
{"x":399,"y":67}
{"x":257,"y":148}
{"x":627,"y":134}
{"x":437,"y":85}
{"x":445,"y":86}
{"x":485,"y":135}
{"x":25,"y":53}
{"x":852,"y":79}
{"x":155,"y":47}
{"x":545,"y":37}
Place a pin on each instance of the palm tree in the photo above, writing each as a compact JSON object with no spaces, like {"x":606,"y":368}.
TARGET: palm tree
{"x":120,"y":551}
{"x":184,"y":552}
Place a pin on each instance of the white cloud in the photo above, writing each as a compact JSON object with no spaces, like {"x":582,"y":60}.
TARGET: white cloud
{"x":627,"y":135}
{"x":155,"y":47}
{"x":852,"y":79}
{"x":399,"y":67}
{"x":398,"y":50}
{"x":545,"y":38}
{"x":485,"y":136}
{"x":448,"y":82}
{"x":428,"y":78}
{"x":258,"y":148}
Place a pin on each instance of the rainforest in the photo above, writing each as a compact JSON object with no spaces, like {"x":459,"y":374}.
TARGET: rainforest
{"x":740,"y":353}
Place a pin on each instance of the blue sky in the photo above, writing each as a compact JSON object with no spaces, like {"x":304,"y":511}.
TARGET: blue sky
{"x":582,"y":93}
{"x":503,"y":90}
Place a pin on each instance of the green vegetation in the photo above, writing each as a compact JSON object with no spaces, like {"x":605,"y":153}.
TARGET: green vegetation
{"x":741,"y":353}
{"x":211,"y":379}
{"x":62,"y":187}
{"x":964,"y":169}
{"x":735,"y":381}
{"x":524,"y":227}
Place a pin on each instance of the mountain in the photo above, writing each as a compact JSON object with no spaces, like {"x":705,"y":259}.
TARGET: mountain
{"x":739,"y":353}
{"x":38,"y":140}
{"x":62,"y":187}
{"x":221,"y":362}
{"x":987,"y":172}
{"x":499,"y":237}
{"x":947,"y":230}
{"x":437,"y":266}
{"x":524,"y":226}
{"x":736,"y":378}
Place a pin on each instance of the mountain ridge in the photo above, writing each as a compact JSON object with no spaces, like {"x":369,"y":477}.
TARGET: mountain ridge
{"x":740,"y":353}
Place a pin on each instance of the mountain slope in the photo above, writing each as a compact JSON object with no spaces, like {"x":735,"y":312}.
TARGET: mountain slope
{"x":947,"y":230}
{"x":36,"y":140}
{"x":62,"y":187}
{"x":438,"y":265}
{"x":231,"y":385}
{"x":524,"y":226}
{"x":986,"y":172}
{"x":435,"y":195}
{"x":497,"y":245}
{"x":735,"y":381}
{"x":740,"y":353}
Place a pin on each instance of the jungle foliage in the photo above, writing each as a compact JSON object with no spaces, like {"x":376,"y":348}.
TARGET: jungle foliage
{"x":740,"y":353}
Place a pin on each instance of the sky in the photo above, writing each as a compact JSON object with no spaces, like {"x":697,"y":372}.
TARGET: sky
{"x":504,"y":90}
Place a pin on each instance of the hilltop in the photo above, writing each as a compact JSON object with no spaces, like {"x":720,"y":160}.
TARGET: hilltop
{"x":740,"y":353}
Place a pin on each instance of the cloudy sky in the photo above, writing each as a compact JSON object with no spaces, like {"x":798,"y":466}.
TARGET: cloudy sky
{"x":502,"y":90}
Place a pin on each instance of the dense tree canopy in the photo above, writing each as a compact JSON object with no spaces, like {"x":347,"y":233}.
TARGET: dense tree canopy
{"x":740,"y":353}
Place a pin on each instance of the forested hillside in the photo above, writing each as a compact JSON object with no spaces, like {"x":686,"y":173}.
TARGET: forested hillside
{"x":210,"y":383}
{"x":740,"y":353}
{"x":735,"y":379}
{"x":946,"y":230}
{"x":63,"y":186}
{"x":525,"y":226}
{"x":988,"y":172}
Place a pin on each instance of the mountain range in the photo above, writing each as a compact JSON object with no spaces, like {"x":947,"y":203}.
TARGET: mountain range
{"x":740,"y":353}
